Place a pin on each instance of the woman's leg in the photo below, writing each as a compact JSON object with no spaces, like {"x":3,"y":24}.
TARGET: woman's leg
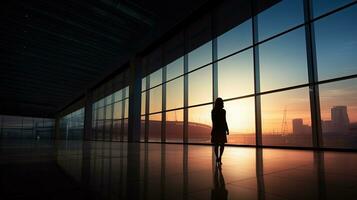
{"x":221,"y":151}
{"x":216,"y":151}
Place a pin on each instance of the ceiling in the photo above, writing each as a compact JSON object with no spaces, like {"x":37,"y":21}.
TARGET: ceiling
{"x":52,"y":51}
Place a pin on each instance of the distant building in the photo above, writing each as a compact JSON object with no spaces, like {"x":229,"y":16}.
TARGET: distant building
{"x":353,"y":127}
{"x":339,"y":122}
{"x":299,"y":127}
{"x":339,"y":117}
{"x":327,"y":126}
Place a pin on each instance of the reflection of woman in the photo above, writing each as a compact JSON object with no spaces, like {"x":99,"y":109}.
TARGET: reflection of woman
{"x":219,"y":129}
{"x":219,"y":191}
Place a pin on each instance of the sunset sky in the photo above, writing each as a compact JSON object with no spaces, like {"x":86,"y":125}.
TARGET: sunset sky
{"x":282,"y":63}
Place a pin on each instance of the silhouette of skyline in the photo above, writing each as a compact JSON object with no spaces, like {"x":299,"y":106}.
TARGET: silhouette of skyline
{"x":300,"y":134}
{"x":339,"y":120}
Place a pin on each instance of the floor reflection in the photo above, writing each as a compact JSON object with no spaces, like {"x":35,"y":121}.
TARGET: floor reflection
{"x":114,"y":170}
{"x":219,"y":190}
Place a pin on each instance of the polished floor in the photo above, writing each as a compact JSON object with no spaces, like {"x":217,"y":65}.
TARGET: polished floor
{"x":114,"y":170}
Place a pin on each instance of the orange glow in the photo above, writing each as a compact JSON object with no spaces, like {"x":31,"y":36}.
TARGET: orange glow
{"x":174,"y":116}
{"x":295,"y":104}
{"x":240,"y":116}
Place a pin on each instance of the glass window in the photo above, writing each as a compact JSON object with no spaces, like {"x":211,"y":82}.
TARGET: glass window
{"x":174,"y":94}
{"x":142,"y":129}
{"x":338,"y":105}
{"x":118,"y":95}
{"x":27,"y":127}
{"x":155,"y":128}
{"x":125,"y":130}
{"x":200,"y":86}
{"x":108,"y":112}
{"x":99,"y":131}
{"x":12,"y":127}
{"x":286,"y":118}
{"x":174,"y":126}
{"x":108,"y":130}
{"x":156,"y":99}
{"x":143,"y":103}
{"x":101,"y":103}
{"x":117,"y":130}
{"x":174,"y":69}
{"x":200,"y":56}
{"x":283,"y":61}
{"x":126,"y":108}
{"x":199,"y":124}
{"x":108,"y":100}
{"x":336,"y":44}
{"x":101,"y":113}
{"x":235,"y":39}
{"x":156,"y":78}
{"x":322,"y":6}
{"x":118,"y":110}
{"x":236,"y":75}
{"x":94,"y":105}
{"x":126,"y":92}
{"x":81,"y":112}
{"x":280,"y":17}
{"x":240,"y":116}
{"x":143,"y":84}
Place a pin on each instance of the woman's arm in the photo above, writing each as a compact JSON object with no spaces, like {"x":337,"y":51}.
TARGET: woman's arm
{"x":225,"y":123}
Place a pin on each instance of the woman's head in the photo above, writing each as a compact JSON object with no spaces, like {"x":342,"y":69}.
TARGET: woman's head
{"x":218,"y":104}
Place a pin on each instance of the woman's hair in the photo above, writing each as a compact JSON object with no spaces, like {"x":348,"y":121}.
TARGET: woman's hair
{"x":218,"y":104}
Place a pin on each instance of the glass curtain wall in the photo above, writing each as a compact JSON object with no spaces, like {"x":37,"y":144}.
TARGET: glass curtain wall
{"x":153,"y":87}
{"x":287,"y":75}
{"x":72,"y":125}
{"x":17,"y":127}
{"x":110,"y":117}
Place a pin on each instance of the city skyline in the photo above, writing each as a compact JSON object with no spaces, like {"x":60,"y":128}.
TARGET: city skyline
{"x":335,"y":121}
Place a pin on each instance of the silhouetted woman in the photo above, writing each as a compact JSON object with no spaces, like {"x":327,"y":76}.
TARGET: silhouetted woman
{"x":219,"y":129}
